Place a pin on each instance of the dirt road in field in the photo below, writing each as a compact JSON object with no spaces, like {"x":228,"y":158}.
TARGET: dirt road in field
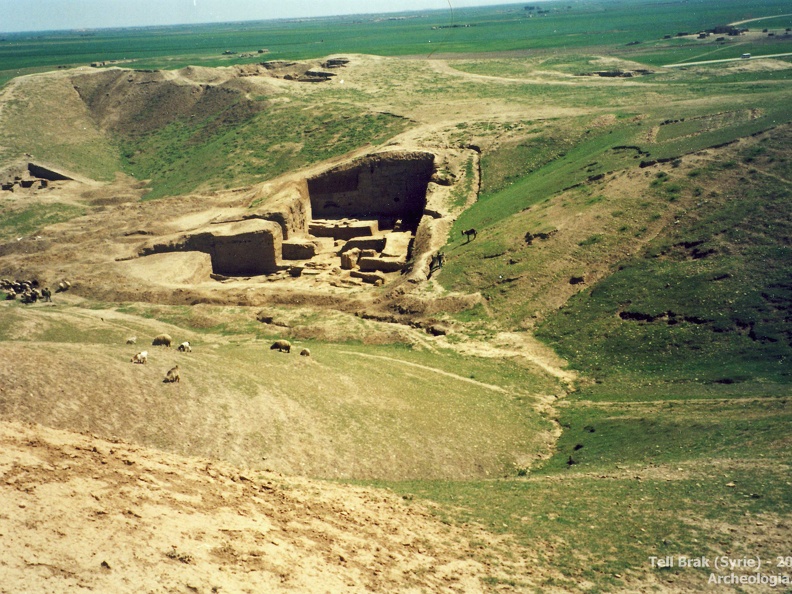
{"x":681,"y":64}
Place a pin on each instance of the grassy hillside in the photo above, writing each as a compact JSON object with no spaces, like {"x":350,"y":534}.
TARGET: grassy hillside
{"x":604,"y":183}
{"x":72,"y":140}
{"x":708,"y":301}
{"x":323,"y":415}
{"x":676,"y":440}
{"x":187,"y":155}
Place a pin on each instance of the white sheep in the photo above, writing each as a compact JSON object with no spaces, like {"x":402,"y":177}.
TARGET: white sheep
{"x":185,"y":347}
{"x":140,"y":357}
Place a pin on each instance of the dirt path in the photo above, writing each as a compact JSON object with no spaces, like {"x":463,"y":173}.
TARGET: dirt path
{"x":432,"y":369}
{"x":518,"y":344}
{"x":681,"y":64}
{"x":783,"y":180}
{"x":505,"y":345}
{"x":764,"y":18}
{"x":443,"y":67}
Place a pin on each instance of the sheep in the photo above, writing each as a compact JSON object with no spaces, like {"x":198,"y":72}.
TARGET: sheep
{"x":132,"y":340}
{"x":162,"y":340}
{"x":185,"y":347}
{"x":172,"y":375}
{"x":140,"y":357}
{"x":305,"y":353}
{"x":281,"y":345}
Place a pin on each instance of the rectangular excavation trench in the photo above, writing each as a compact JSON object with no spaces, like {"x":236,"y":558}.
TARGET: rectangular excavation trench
{"x":385,"y":187}
{"x":371,"y":209}
{"x":364,"y":215}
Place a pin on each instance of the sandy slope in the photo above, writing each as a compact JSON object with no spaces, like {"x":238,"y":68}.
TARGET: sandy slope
{"x":84,"y":514}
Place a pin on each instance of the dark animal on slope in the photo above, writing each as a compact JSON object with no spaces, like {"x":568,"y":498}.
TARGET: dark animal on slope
{"x":162,"y":340}
{"x":469,"y":233}
{"x":172,"y":376}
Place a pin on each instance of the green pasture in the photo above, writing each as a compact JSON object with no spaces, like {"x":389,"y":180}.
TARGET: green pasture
{"x":560,"y":25}
{"x":26,"y":222}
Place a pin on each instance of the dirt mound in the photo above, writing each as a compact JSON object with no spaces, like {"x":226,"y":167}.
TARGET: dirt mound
{"x":87,"y":514}
{"x":132,"y":102}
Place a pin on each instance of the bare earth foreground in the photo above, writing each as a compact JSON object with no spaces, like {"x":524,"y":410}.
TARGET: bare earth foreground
{"x":84,"y":514}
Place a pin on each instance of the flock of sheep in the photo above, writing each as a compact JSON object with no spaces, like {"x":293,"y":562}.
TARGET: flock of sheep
{"x":172,"y":376}
{"x":28,"y":291}
{"x":165,"y":340}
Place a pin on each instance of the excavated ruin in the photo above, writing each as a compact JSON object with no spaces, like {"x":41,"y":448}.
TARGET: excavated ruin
{"x":359,"y":219}
{"x":385,"y":188}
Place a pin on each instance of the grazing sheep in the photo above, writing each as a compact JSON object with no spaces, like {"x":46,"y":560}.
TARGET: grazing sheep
{"x":140,"y":357}
{"x":132,"y":340}
{"x":281,"y":345}
{"x":162,"y":340}
{"x":63,"y":286}
{"x":185,"y":347}
{"x":172,"y":375}
{"x":305,"y":353}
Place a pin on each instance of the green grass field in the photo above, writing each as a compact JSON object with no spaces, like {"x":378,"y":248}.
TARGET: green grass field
{"x":462,"y":30}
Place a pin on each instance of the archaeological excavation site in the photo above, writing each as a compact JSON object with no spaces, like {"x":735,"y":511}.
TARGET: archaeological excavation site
{"x":367,"y":221}
{"x":378,"y":216}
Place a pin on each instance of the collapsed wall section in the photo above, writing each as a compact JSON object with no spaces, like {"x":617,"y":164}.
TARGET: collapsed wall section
{"x":385,"y":186}
{"x":248,"y":248}
{"x":244,"y":248}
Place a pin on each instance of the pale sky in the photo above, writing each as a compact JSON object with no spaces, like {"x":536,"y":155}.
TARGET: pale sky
{"x":45,"y":15}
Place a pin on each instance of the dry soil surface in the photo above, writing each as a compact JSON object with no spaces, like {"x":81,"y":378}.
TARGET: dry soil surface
{"x":80,"y":514}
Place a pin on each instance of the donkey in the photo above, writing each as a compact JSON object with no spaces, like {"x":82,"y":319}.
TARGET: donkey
{"x":469,"y":233}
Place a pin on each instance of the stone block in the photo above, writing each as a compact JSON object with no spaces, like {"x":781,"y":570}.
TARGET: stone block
{"x":368,"y":277}
{"x":397,"y":245}
{"x":377,"y":244}
{"x":381,"y":264}
{"x":298,"y":249}
{"x":343,"y":229}
{"x":349,"y":259}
